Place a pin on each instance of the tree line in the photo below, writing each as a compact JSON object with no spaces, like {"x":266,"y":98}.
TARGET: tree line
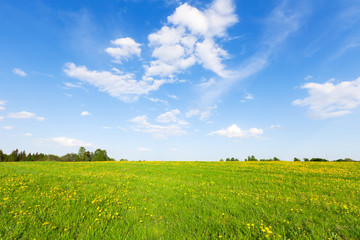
{"x":253,"y":159}
{"x":82,"y":156}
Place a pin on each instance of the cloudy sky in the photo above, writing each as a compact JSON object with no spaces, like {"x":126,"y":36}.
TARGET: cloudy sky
{"x":181,"y":80}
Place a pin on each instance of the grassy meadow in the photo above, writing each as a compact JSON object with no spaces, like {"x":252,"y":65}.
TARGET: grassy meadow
{"x":179,"y":200}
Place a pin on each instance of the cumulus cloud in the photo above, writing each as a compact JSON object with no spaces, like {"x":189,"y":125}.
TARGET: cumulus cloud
{"x":125,"y":48}
{"x":70,"y":142}
{"x":7,"y":127}
{"x":327,"y":100}
{"x":19,"y":72}
{"x":2,"y":118}
{"x":85,"y":113}
{"x":123,"y":87}
{"x":235,"y":132}
{"x":158,"y":131}
{"x":189,"y":38}
{"x":25,"y":115}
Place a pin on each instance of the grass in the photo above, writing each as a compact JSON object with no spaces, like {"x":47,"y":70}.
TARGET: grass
{"x":179,"y":200}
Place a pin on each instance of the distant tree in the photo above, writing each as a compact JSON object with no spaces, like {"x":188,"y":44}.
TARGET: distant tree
{"x":227,"y":160}
{"x":252,"y":158}
{"x":319,"y":160}
{"x":221,"y":160}
{"x":2,"y":156}
{"x":14,"y":156}
{"x":52,"y":157}
{"x":82,"y":154}
{"x":296,"y":159}
{"x":22,"y":156}
{"x":100,"y":155}
{"x":306,"y":159}
{"x":276,"y":159}
{"x":70,"y":157}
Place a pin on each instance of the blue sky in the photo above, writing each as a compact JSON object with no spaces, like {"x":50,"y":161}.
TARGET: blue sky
{"x":181,"y":80}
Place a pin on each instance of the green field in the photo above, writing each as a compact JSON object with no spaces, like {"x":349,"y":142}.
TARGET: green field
{"x":179,"y":200}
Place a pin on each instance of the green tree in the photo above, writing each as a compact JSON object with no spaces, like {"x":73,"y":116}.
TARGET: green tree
{"x":82,"y":154}
{"x":100,"y":155}
{"x":296,"y":159}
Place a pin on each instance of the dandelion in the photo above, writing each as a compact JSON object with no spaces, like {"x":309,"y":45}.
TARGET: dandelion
{"x":45,"y":223}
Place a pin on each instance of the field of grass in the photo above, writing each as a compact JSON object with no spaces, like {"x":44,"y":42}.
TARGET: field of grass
{"x":179,"y":200}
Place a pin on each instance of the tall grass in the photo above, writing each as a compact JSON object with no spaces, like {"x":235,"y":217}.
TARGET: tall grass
{"x":179,"y":200}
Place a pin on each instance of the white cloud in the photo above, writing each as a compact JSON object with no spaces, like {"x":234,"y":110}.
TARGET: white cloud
{"x":211,"y":56}
{"x":7,"y":127}
{"x":85,"y":113}
{"x":19,"y":72}
{"x":284,"y":20}
{"x":189,"y":39}
{"x":170,"y":117}
{"x":126,"y":47}
{"x":277,"y":126}
{"x":249,"y":97}
{"x":2,"y":118}
{"x":144,"y":149}
{"x":173,"y":97}
{"x":123,"y":87}
{"x":25,"y":115}
{"x":28,"y":134}
{"x":173,"y":149}
{"x":70,"y":142}
{"x":208,"y":83}
{"x":2,"y":104}
{"x":72,"y":85}
{"x":157,"y":131}
{"x":329,"y":100}
{"x":158,"y":100}
{"x":212,"y":22}
{"x":2,"y":108}
{"x":235,"y":132}
{"x":106,"y":127}
{"x":308,"y":77}
{"x":203,"y":114}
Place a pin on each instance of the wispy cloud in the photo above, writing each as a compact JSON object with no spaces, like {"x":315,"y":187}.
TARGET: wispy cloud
{"x":69,"y":142}
{"x":158,"y":131}
{"x":8,"y":127}
{"x":2,"y":105}
{"x":19,"y":72}
{"x":25,"y":115}
{"x":280,"y":24}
